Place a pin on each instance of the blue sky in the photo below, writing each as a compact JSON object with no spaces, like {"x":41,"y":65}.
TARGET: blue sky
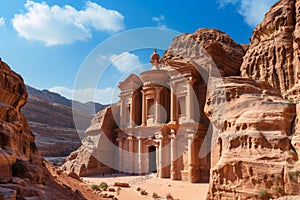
{"x":48,"y":42}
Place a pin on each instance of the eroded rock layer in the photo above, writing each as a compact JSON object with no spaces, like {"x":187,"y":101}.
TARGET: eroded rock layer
{"x":253,"y":156}
{"x":18,"y":153}
{"x":226,"y":54}
{"x":273,"y":55}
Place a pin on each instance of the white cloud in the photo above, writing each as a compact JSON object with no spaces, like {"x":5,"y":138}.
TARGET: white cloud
{"x":253,"y":11}
{"x":104,"y":96}
{"x":125,"y":61}
{"x":64,"y":25}
{"x":160,"y":20}
{"x":2,"y":21}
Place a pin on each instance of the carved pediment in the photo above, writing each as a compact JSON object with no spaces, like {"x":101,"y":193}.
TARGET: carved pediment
{"x":131,"y":83}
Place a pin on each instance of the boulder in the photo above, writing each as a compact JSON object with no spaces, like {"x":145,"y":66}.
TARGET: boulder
{"x":120,"y":184}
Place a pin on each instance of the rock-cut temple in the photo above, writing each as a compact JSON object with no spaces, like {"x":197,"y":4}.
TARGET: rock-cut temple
{"x":160,"y":127}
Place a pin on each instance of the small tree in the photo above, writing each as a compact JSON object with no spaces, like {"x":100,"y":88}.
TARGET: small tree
{"x":263,"y":194}
{"x":103,"y":186}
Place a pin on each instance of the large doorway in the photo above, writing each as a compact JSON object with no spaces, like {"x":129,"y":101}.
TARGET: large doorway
{"x":152,"y":159}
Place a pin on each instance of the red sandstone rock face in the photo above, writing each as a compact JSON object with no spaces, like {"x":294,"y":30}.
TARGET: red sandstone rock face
{"x":253,"y":149}
{"x":95,"y":147}
{"x":226,"y":54}
{"x":18,"y":153}
{"x":273,"y":55}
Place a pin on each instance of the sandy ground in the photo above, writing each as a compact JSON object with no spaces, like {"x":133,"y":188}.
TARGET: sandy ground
{"x":149,"y":183}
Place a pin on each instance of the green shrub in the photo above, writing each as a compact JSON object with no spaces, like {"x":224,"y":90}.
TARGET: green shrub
{"x":291,"y":100}
{"x":292,"y":152}
{"x":276,"y":177}
{"x":103,"y":186}
{"x":277,"y":189}
{"x":263,"y":194}
{"x":95,"y":187}
{"x":293,"y":175}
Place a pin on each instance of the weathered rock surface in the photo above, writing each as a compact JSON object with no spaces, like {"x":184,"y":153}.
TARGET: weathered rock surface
{"x":226,"y":54}
{"x":23,"y":175}
{"x":18,"y":153}
{"x":273,"y":55}
{"x":96,"y":149}
{"x":253,"y":152}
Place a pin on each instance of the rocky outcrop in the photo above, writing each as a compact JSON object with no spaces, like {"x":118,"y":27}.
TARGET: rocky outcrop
{"x":18,"y":153}
{"x":226,"y":54}
{"x":96,"y":154}
{"x":23,"y":175}
{"x":273,"y":55}
{"x":253,"y":156}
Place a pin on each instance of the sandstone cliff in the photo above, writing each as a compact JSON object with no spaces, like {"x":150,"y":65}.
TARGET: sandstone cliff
{"x":273,"y":55}
{"x":226,"y":54}
{"x":257,"y":151}
{"x":253,"y":153}
{"x":18,"y":153}
{"x":23,"y":174}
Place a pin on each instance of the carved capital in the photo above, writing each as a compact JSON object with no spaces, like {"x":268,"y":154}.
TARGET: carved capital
{"x":172,"y":136}
{"x":191,"y":81}
{"x":131,"y":138}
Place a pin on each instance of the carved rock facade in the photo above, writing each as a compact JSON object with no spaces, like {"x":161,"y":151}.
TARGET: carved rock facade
{"x":95,"y":147}
{"x":160,"y":124}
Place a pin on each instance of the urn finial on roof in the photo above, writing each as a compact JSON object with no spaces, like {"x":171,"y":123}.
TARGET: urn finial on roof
{"x":154,"y":58}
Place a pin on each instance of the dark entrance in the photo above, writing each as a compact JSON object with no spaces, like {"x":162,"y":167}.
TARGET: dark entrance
{"x":152,"y":159}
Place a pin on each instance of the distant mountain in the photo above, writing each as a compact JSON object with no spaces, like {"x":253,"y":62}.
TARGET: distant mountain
{"x":89,"y":107}
{"x":50,"y":117}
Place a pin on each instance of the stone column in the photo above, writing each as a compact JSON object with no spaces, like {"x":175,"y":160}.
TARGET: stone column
{"x":157,"y":160}
{"x":132,"y":109}
{"x":191,"y":156}
{"x":173,"y":170}
{"x":164,"y":156}
{"x":121,"y":156}
{"x":144,"y":109}
{"x":190,"y":100}
{"x":140,"y":156}
{"x":173,"y":104}
{"x":157,"y":105}
{"x":122,"y":115}
{"x":131,"y":152}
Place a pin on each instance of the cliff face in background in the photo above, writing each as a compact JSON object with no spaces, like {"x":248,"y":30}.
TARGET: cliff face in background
{"x":51,"y":120}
